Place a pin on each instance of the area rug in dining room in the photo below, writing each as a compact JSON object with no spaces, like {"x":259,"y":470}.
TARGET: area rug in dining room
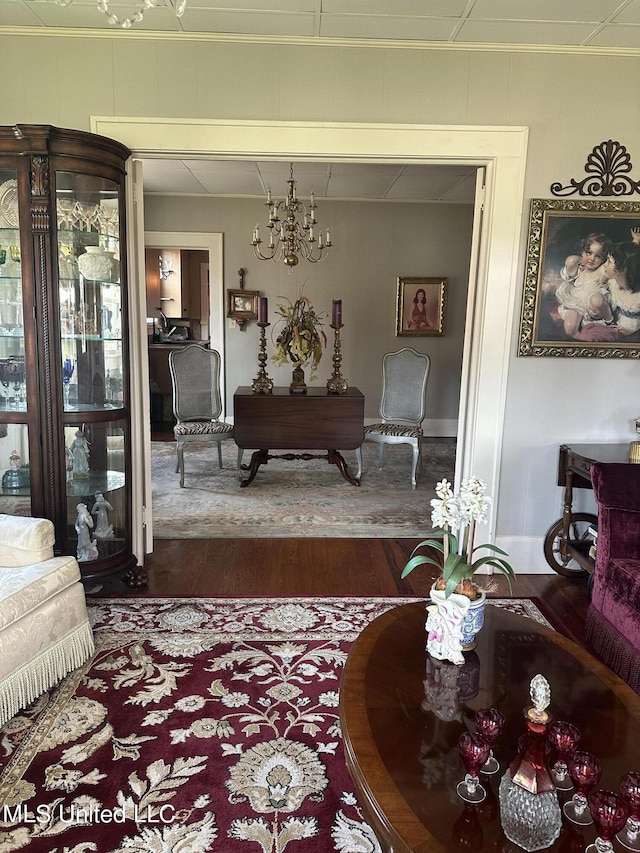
{"x":290,"y":498}
{"x":201,"y":724}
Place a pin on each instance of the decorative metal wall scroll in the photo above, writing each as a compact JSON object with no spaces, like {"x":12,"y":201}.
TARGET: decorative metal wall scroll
{"x":607,"y":167}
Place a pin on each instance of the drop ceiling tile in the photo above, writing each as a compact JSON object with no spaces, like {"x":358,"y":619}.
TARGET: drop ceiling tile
{"x":251,"y":23}
{"x":169,"y":176}
{"x":617,"y":36}
{"x":19,"y":15}
{"x":387,"y":170}
{"x":629,"y":15}
{"x":434,"y":8}
{"x":250,"y":7}
{"x":358,"y":187}
{"x":431,"y":185}
{"x":386,"y":27}
{"x":201,"y":165}
{"x":594,"y":11}
{"x":463,"y":191}
{"x":231,"y":183}
{"x":83,"y":15}
{"x":523,"y":32}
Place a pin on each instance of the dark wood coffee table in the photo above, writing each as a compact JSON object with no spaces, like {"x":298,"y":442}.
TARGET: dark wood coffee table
{"x":403,"y":757}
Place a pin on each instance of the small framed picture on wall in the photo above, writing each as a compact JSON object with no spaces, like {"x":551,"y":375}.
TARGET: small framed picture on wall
{"x":420,"y":306}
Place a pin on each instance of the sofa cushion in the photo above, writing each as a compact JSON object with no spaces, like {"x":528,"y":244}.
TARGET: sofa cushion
{"x":25,"y":588}
{"x":24,"y":541}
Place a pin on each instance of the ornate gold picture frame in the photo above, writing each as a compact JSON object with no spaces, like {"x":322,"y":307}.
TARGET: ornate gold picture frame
{"x":420,"y":306}
{"x":575,"y":304}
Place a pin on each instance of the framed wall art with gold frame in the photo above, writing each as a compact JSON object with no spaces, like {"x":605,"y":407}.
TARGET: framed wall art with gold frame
{"x":242,"y":306}
{"x":578,"y":301}
{"x":420,"y":306}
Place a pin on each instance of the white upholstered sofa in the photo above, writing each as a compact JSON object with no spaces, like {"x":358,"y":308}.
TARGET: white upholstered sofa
{"x":44,"y":626}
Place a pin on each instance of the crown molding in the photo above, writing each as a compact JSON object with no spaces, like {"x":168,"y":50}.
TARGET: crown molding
{"x":380,"y":44}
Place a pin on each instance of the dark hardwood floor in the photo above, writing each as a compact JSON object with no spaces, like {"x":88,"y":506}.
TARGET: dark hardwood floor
{"x":326,"y":567}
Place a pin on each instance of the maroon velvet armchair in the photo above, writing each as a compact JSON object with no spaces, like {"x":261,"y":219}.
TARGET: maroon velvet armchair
{"x":613,"y":619}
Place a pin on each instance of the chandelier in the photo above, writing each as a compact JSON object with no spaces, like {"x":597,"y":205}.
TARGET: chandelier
{"x":289,"y":237}
{"x":136,"y":17}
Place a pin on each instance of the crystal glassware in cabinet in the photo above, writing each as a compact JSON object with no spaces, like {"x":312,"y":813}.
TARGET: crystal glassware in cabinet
{"x":64,"y":354}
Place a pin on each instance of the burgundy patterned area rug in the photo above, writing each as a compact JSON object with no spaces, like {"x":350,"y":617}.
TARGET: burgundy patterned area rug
{"x":200,"y":725}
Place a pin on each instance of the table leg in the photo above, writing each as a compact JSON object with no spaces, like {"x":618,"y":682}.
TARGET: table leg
{"x":333,"y":456}
{"x":566,"y":513}
{"x":260,"y":457}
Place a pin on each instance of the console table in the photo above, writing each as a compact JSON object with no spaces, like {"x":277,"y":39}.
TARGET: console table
{"x":315,"y":420}
{"x":402,"y":713}
{"x":567,"y":542}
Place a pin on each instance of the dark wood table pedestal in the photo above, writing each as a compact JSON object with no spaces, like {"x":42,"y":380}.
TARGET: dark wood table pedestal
{"x":315,"y":420}
{"x":261,"y":457}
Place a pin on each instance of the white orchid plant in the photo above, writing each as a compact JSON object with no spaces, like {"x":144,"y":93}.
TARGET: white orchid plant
{"x":455,"y":519}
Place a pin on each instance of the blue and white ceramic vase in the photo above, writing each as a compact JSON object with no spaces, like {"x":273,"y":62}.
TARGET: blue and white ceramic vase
{"x":473,"y":621}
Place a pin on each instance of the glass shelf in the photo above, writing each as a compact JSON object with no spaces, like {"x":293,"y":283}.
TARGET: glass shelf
{"x":97,"y":481}
{"x":78,"y":336}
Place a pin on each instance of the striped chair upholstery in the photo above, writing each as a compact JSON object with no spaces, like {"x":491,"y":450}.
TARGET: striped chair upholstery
{"x":404,"y":389}
{"x":197,"y":403}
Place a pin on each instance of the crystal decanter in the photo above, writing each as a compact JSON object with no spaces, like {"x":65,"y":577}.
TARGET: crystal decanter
{"x":529,"y":807}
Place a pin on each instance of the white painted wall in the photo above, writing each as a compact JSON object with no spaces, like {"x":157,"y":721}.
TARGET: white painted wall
{"x":571,"y":101}
{"x":374,"y":243}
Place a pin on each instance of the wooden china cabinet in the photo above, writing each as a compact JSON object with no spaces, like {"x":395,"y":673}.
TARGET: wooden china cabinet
{"x":65,"y":422}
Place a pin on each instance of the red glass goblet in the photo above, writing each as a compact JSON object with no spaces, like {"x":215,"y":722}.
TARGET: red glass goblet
{"x":585,"y":771}
{"x":474,"y":751}
{"x":609,"y":811}
{"x":489,"y":723}
{"x":630,"y":789}
{"x":564,"y":737}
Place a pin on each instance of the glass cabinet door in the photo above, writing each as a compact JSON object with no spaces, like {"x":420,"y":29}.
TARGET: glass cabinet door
{"x":14,"y":435}
{"x":12,"y":372}
{"x":90,"y":292}
{"x":91,"y":336}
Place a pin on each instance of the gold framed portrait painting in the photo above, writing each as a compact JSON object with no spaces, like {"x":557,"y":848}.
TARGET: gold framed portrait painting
{"x":582,"y":279}
{"x":420,"y":306}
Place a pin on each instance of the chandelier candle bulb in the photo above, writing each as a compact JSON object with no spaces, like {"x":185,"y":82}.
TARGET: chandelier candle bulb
{"x":263,"y":309}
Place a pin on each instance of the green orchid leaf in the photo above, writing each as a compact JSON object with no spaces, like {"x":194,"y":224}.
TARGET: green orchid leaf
{"x":419,"y":560}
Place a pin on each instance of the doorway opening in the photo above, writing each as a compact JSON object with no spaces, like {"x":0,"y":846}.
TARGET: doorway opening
{"x":501,"y":150}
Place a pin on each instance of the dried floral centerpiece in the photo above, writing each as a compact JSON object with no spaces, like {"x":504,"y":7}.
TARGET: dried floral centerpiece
{"x":300,"y":338}
{"x":452,"y":514}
